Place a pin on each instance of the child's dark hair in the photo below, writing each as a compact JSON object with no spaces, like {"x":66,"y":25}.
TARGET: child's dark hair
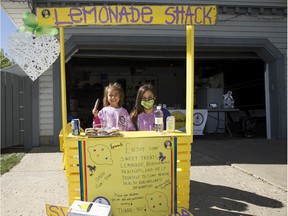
{"x":138,"y":108}
{"x":114,"y":86}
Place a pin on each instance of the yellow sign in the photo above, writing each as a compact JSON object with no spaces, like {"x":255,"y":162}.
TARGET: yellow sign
{"x":128,"y":15}
{"x":53,"y":210}
{"x":180,"y":119}
{"x":134,"y":176}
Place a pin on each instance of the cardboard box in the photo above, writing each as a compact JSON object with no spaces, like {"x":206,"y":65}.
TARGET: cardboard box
{"x":80,"y":208}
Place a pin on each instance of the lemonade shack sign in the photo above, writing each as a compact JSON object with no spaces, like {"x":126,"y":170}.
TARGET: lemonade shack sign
{"x":128,"y":15}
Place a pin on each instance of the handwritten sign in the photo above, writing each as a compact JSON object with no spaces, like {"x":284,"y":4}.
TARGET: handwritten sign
{"x":134,"y":176}
{"x":54,"y":210}
{"x":128,"y":15}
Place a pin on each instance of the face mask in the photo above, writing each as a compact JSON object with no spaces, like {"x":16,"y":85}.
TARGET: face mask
{"x":147,"y":104}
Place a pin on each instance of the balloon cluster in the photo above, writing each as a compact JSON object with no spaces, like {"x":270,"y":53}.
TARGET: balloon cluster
{"x":31,"y":26}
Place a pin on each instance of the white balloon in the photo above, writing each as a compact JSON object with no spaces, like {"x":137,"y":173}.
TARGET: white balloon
{"x":33,"y":54}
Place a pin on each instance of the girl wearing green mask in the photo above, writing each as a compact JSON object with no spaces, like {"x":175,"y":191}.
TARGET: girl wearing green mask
{"x":143,"y":113}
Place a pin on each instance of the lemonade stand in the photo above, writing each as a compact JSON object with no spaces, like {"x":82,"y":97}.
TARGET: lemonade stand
{"x":141,"y":172}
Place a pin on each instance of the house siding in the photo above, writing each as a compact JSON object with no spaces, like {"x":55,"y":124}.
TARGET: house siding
{"x":247,"y":26}
{"x":276,"y":3}
{"x":46,"y":106}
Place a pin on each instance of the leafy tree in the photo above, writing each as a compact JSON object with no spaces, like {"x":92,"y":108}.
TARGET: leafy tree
{"x":5,"y":62}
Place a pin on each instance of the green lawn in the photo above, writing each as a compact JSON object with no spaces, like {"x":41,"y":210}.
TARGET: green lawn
{"x":8,"y":161}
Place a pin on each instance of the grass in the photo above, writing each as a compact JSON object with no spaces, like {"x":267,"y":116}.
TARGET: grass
{"x":9,"y":160}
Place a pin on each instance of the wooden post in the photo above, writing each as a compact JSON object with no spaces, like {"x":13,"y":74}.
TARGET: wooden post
{"x":189,"y":79}
{"x":63,"y":82}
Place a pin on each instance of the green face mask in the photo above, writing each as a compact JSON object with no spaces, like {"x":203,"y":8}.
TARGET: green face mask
{"x":147,"y":104}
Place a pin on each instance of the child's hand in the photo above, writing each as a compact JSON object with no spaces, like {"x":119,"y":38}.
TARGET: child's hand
{"x":95,"y":110}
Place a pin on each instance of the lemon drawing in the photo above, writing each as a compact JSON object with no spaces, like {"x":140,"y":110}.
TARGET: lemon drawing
{"x":180,"y":119}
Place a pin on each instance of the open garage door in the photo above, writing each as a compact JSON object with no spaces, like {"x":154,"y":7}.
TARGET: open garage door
{"x":89,"y":71}
{"x":239,"y":64}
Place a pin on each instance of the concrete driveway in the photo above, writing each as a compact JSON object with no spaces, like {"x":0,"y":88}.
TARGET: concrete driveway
{"x":233,"y":177}
{"x":229,"y":177}
{"x":38,"y":180}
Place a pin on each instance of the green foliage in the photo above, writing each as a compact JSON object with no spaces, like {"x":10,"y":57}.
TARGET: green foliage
{"x":8,"y":161}
{"x":5,"y":62}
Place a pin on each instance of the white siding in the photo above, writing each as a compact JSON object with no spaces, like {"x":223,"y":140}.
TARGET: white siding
{"x":46,"y":104}
{"x":196,"y":2}
{"x":248,"y":26}
{"x":273,"y":28}
{"x":237,"y":2}
{"x":46,"y":132}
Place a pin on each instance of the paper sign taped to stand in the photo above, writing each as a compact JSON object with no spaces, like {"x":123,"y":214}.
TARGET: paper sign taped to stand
{"x":134,"y":176}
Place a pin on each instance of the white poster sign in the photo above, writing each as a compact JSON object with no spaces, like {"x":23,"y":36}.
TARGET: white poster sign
{"x":199,"y":122}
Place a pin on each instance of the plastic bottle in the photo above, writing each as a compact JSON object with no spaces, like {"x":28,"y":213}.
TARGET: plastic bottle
{"x":170,"y":124}
{"x":159,"y":120}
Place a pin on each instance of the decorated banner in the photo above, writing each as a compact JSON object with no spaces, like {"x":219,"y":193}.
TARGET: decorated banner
{"x":134,"y":176}
{"x":129,"y":15}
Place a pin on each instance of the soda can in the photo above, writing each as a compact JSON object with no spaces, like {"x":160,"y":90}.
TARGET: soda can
{"x":75,"y":126}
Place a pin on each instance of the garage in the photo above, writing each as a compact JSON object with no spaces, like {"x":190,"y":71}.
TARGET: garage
{"x":243,"y":73}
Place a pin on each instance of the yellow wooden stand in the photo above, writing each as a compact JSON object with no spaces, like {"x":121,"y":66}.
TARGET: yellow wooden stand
{"x":183,"y":161}
{"x":163,"y":15}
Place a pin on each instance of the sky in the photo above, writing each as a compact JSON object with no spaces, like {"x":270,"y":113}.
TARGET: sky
{"x":7,"y":27}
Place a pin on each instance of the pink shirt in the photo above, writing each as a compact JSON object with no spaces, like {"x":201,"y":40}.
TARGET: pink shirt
{"x":115,"y":117}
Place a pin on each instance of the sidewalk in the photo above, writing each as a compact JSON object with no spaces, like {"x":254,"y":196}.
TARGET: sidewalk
{"x":38,"y":180}
{"x":233,"y":177}
{"x":229,"y":177}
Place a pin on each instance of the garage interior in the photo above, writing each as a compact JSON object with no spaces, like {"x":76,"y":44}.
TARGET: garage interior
{"x":89,"y":71}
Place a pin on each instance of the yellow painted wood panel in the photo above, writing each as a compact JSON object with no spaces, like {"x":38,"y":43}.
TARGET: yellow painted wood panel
{"x":74,"y":184}
{"x":72,"y":153}
{"x":73,"y":178}
{"x":74,"y":170}
{"x":74,"y":191}
{"x":183,"y":175}
{"x":186,"y":148}
{"x":183,"y":156}
{"x":183,"y":191}
{"x":183,"y":182}
{"x":134,"y":15}
{"x":183,"y":165}
{"x":182,"y":139}
{"x":73,"y":160}
{"x":184,"y":205}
